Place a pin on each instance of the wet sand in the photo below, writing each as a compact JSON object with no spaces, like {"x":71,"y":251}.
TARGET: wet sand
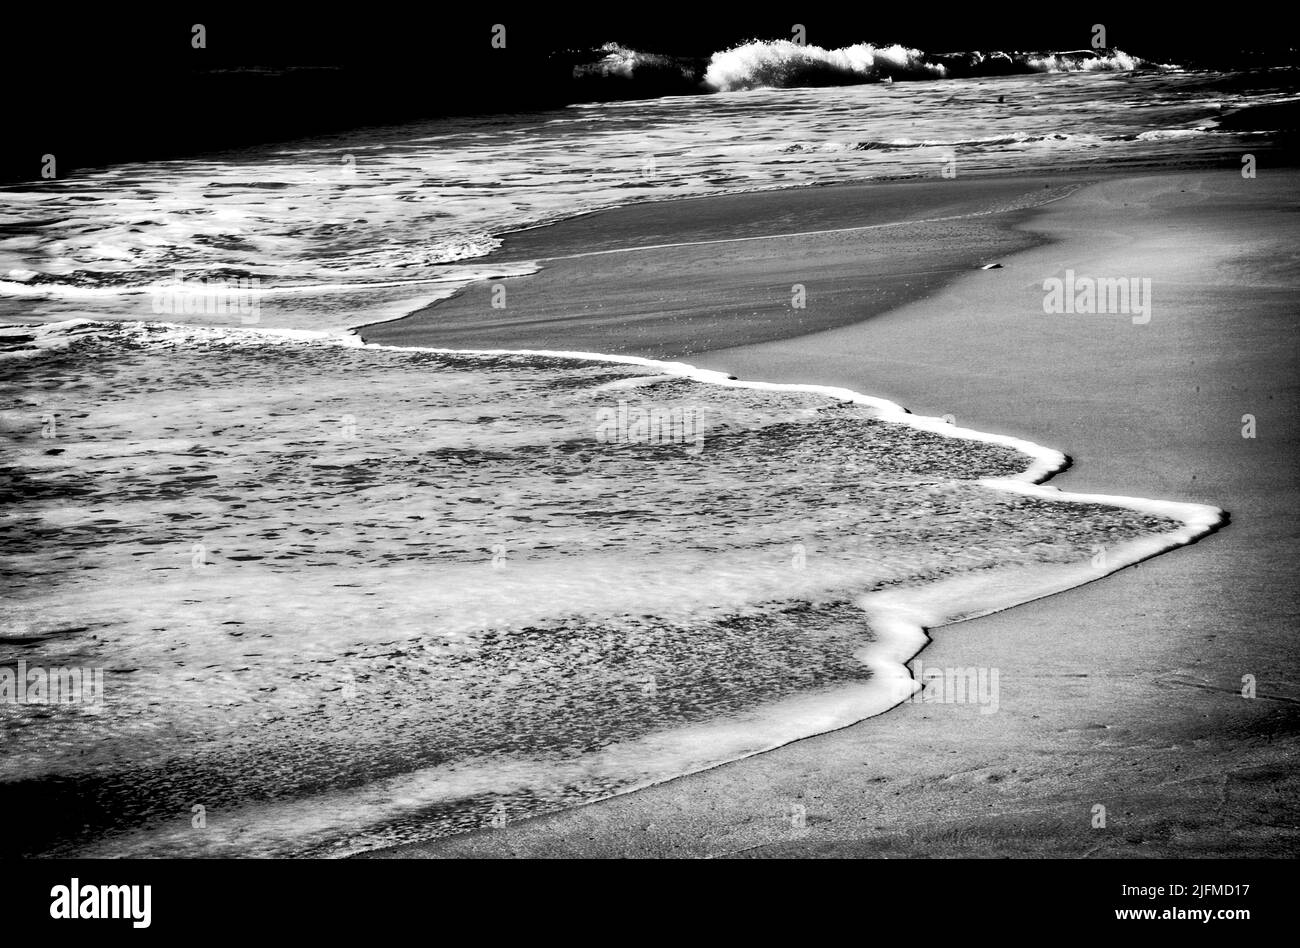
{"x":1125,"y":693}
{"x":673,"y":279}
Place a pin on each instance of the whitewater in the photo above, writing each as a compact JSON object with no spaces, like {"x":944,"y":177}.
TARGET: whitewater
{"x":416,"y":595}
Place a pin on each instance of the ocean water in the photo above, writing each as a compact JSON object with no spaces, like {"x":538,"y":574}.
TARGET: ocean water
{"x":500,"y":583}
{"x":368,"y":225}
{"x":344,"y":596}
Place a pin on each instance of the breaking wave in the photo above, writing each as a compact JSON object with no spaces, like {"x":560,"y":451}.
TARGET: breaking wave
{"x":783,"y":64}
{"x":614,"y":70}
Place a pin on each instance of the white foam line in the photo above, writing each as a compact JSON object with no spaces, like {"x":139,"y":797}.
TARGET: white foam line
{"x":1197,"y":519}
{"x":900,"y":618}
{"x":197,"y":283}
{"x":1046,"y":461}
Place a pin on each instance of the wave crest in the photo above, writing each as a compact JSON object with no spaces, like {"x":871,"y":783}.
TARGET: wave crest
{"x":782,"y":64}
{"x":623,"y":62}
{"x":1085,"y":60}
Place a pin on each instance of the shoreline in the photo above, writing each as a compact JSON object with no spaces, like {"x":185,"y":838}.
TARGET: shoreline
{"x":911,"y":236}
{"x":1108,"y":391}
{"x":899,"y":617}
{"x":559,"y":834}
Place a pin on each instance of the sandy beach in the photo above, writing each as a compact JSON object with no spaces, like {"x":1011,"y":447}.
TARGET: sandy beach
{"x":1125,"y":693}
{"x":518,"y":440}
{"x":673,"y":279}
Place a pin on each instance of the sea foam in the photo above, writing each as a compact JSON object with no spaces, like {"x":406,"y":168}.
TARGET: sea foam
{"x":519,"y":615}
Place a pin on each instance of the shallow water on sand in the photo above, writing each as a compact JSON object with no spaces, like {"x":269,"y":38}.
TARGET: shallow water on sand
{"x":309,"y":569}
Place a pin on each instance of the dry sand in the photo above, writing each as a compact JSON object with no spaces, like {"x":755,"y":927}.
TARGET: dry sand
{"x":1125,"y":693}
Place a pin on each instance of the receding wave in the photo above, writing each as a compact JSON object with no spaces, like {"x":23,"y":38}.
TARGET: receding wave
{"x":346,"y":596}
